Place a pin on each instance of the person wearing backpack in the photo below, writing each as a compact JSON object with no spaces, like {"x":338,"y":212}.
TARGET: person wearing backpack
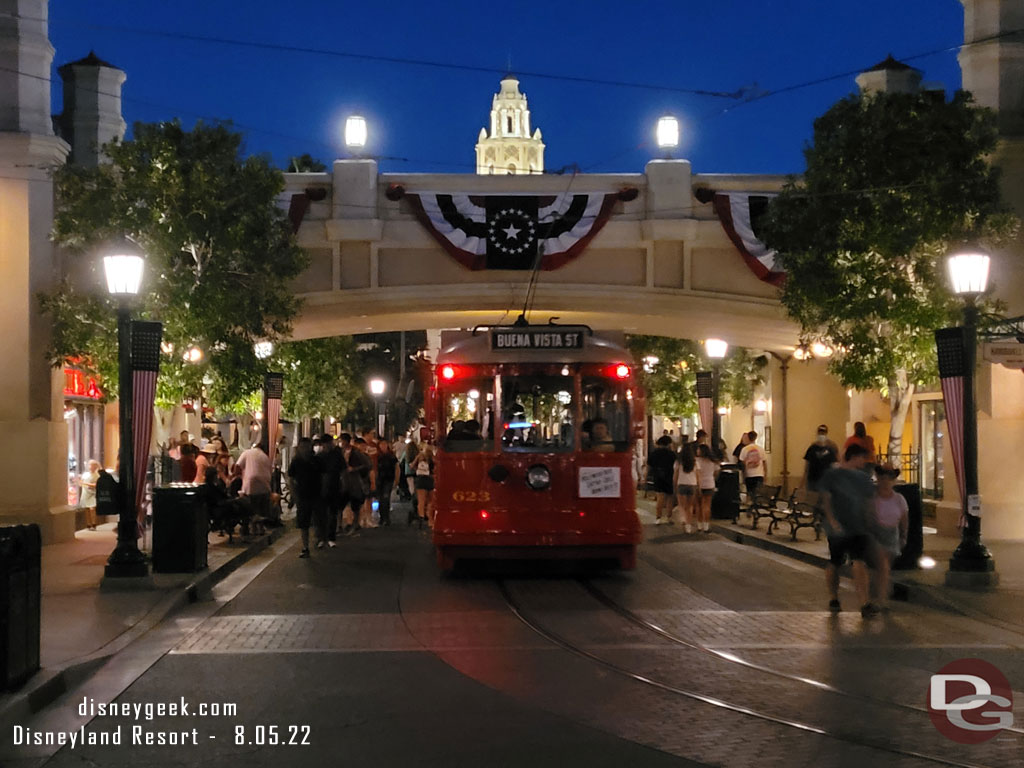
{"x":752,"y":461}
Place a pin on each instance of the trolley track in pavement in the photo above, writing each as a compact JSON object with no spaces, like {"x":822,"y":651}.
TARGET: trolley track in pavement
{"x":558,"y":640}
{"x":610,"y":603}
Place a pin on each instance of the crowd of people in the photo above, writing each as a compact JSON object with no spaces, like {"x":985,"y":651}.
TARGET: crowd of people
{"x":864,"y":518}
{"x":337,"y":485}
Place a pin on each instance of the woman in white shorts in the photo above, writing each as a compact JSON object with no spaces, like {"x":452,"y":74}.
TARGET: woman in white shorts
{"x":685,"y":482}
{"x":707,"y":470}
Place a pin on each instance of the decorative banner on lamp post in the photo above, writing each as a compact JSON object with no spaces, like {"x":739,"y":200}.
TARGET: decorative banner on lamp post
{"x":145,"y":369}
{"x":273,"y":388}
{"x":705,"y":399}
{"x":950,"y":344}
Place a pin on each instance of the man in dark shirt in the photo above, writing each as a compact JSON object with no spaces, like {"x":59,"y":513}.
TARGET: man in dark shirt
{"x":387,"y":478}
{"x":819,"y":456}
{"x":660,"y":464}
{"x":331,"y":463}
{"x":305,"y":477}
{"x":848,"y":503}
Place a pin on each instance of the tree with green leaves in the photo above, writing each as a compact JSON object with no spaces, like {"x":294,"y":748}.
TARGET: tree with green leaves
{"x":894,"y":181}
{"x":219,"y":258}
{"x":669,"y":368}
{"x":305,"y":163}
{"x":320,"y":377}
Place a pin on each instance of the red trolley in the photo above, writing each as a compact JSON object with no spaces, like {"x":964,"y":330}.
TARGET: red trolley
{"x":535,"y":428}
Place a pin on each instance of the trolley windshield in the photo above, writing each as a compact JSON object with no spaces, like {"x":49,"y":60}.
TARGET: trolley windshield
{"x":537,"y":413}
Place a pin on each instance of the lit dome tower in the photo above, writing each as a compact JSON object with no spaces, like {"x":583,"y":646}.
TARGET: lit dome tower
{"x":509,"y":149}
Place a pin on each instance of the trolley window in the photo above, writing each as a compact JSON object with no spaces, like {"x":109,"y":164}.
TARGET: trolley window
{"x":469,"y":415}
{"x":537,"y":414}
{"x":606,"y":421}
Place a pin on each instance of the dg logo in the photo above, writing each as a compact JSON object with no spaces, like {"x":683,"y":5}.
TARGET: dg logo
{"x":970,"y":701}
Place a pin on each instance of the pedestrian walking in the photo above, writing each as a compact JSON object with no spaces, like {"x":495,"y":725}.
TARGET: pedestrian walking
{"x":890,"y":527}
{"x":305,"y":478}
{"x":848,"y":504}
{"x":387,"y":479}
{"x":685,"y":481}
{"x":423,"y":467}
{"x":861,"y":437}
{"x":355,"y":484}
{"x":331,"y":460}
{"x":818,"y":458}
{"x":753,"y":462}
{"x":707,"y":471}
{"x":660,"y":465}
{"x":87,"y":497}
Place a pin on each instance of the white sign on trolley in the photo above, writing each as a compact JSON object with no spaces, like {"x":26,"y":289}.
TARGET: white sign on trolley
{"x":1007,"y":353}
{"x":600,"y":482}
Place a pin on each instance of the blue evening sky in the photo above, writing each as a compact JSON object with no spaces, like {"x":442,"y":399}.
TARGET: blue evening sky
{"x":426,"y":119}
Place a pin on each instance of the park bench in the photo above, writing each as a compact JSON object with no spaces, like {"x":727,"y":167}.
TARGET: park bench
{"x":761,"y":503}
{"x":802,"y":510}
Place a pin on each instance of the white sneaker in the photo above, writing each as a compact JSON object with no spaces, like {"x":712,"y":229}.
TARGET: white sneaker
{"x":659,"y":521}
{"x":707,"y":526}
{"x":689,"y":528}
{"x":332,"y":544}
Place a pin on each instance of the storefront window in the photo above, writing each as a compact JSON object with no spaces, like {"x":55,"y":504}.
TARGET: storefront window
{"x":933,"y":416}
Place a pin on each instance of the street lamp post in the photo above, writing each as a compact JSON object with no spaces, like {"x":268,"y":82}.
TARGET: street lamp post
{"x":124,"y":277}
{"x":968,"y":272}
{"x":716,"y":349}
{"x":377,"y":387}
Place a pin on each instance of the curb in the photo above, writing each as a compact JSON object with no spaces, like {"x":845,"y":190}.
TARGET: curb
{"x":49,"y":684}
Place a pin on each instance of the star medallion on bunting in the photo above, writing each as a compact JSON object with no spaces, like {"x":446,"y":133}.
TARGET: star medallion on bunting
{"x":511,"y":238}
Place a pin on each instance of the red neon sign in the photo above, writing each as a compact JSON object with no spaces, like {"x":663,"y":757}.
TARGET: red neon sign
{"x":78,"y":384}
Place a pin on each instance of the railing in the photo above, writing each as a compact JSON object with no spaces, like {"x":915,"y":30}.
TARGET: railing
{"x":909,"y":464}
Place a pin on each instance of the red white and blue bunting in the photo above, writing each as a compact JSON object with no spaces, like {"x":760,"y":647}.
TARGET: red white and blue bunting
{"x":737,"y":211}
{"x":513,"y":232}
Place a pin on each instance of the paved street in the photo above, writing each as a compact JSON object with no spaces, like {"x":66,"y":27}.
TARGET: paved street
{"x":709,"y":653}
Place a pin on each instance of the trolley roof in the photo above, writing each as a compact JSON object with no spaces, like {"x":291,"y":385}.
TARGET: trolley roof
{"x":470,"y":347}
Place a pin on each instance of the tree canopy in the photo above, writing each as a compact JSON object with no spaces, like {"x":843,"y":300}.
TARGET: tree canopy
{"x":219,"y":257}
{"x":893,"y":182}
{"x":670,"y":383}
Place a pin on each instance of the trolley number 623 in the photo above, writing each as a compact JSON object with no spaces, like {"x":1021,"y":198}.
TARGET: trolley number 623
{"x":471,"y":496}
{"x":268,"y":734}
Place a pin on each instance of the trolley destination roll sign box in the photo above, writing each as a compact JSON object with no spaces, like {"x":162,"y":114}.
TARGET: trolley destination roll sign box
{"x":542,"y":339}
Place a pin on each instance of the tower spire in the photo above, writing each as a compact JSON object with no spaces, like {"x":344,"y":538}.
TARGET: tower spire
{"x":509,"y":147}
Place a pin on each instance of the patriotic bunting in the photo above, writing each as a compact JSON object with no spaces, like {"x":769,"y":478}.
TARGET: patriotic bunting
{"x":145,"y":368}
{"x":705,"y":402}
{"x":514,"y":232}
{"x":737,"y":211}
{"x":950,"y":343}
{"x":273,"y":388}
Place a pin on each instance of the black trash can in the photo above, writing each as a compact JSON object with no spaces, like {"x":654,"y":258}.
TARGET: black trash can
{"x":915,"y":534}
{"x":20,"y":553}
{"x":181,"y":529}
{"x":725,"y":504}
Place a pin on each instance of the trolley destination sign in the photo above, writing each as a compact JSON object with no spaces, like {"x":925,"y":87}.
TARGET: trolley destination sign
{"x":542,"y":339}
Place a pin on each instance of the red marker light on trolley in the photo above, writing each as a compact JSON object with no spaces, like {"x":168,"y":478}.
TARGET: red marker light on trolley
{"x":448,"y":372}
{"x":484,"y":514}
{"x":622,"y":371}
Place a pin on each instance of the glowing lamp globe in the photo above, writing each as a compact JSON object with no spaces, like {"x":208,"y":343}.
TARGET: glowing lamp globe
{"x":355,"y":132}
{"x":716,"y":348}
{"x":124,"y":273}
{"x":667,"y":132}
{"x":377,"y":387}
{"x":968,"y":272}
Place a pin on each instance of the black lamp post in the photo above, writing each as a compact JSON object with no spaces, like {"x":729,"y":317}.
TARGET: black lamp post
{"x":377,"y":387}
{"x":716,"y":349}
{"x":124,"y":277}
{"x":968,"y":272}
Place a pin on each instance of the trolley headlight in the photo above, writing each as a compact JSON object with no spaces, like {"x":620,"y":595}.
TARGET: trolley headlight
{"x":538,"y":477}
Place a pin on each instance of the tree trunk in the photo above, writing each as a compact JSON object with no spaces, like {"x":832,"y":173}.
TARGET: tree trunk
{"x":901,"y":392}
